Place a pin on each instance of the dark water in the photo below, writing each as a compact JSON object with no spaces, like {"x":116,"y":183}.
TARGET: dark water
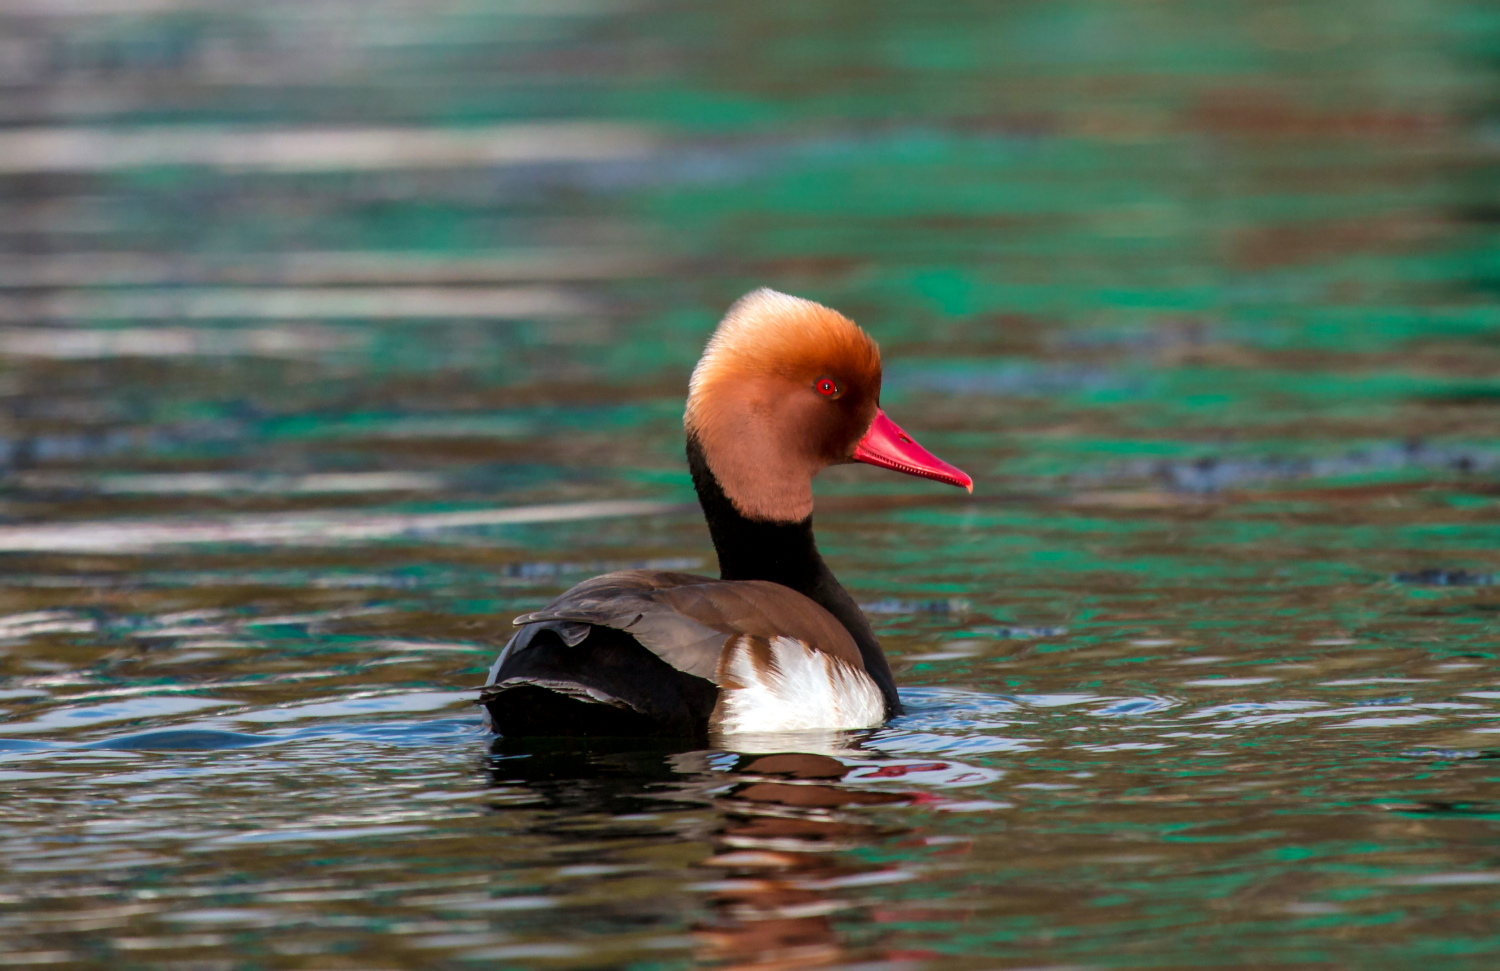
{"x":335,"y":334}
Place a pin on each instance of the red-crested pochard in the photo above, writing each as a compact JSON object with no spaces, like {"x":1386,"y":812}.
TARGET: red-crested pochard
{"x":785,"y":388}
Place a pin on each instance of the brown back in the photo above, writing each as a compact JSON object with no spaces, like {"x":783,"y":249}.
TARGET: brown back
{"x":686,"y":619}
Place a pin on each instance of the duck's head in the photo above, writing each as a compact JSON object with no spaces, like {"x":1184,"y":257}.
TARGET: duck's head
{"x":785,"y":388}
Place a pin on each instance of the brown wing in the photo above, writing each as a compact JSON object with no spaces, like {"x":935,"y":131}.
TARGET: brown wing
{"x":686,"y":619}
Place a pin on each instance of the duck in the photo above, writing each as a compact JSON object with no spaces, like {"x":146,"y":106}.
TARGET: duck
{"x":785,"y":388}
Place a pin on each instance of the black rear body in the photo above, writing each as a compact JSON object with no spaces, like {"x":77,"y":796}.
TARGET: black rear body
{"x":654,"y":698}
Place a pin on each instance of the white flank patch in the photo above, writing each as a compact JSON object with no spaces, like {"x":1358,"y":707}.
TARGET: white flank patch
{"x":807,"y":690}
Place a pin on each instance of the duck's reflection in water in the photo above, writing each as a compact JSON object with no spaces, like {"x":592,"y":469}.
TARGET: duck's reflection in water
{"x":781,"y":831}
{"x":782,"y":827}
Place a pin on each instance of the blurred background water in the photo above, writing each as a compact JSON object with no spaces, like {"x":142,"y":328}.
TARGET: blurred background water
{"x":334,"y":333}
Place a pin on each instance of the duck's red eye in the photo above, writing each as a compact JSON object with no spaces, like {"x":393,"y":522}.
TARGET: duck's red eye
{"x":826,"y":387}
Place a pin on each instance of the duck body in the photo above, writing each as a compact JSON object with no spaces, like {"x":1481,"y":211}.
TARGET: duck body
{"x":678,"y":654}
{"x":775,"y":643}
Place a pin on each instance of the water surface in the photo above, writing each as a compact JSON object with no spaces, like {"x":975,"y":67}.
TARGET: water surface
{"x":332,"y":336}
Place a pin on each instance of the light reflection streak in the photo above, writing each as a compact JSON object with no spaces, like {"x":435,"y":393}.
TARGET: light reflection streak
{"x":214,"y":483}
{"x":317,"y":149}
{"x":297,"y":529}
{"x":49,"y":343}
{"x":275,"y":303}
{"x":322,"y":268}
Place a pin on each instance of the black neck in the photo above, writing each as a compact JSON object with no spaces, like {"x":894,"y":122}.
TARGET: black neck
{"x":784,"y":553}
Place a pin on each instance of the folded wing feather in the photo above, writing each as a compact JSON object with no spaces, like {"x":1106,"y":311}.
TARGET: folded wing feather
{"x":686,"y":620}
